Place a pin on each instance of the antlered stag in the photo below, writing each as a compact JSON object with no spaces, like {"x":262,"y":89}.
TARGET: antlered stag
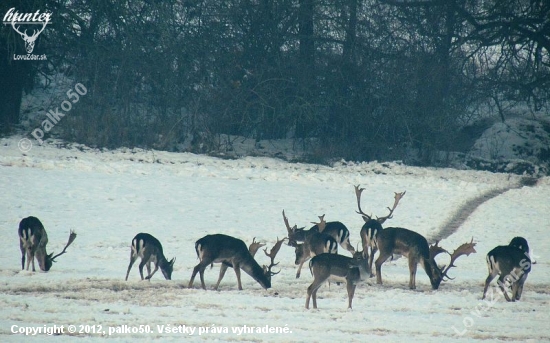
{"x":415,"y":247}
{"x":231,"y":252}
{"x":32,"y":242}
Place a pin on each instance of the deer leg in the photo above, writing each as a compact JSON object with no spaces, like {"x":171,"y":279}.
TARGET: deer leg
{"x":520,"y":287}
{"x":133,"y":259}
{"x":30,"y":257}
{"x":148,"y":265}
{"x":379,"y":261}
{"x":199,"y":268}
{"x":223,"y":269}
{"x":374,"y":249}
{"x":238,"y":273}
{"x":141,"y":265}
{"x":149,"y":270}
{"x":501,"y":284}
{"x":23,"y":254}
{"x":312,"y":292}
{"x":299,"y":269}
{"x":351,"y":291}
{"x":412,"y":270}
{"x":487,"y":282}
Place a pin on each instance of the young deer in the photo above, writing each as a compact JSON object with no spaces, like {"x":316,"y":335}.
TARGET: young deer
{"x":413,"y":245}
{"x":337,"y":268}
{"x":336,"y":230}
{"x":512,"y":263}
{"x":315,"y":243}
{"x":149,"y":249}
{"x":231,"y":252}
{"x":372,"y":226}
{"x":32,"y":242}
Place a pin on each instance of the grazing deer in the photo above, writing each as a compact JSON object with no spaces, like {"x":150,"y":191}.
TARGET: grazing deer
{"x":338,"y":268}
{"x":337,"y":230}
{"x":512,"y":263}
{"x":413,"y":245}
{"x":315,"y":243}
{"x":372,"y":226}
{"x":231,"y":252}
{"x":33,"y":240}
{"x":149,"y":249}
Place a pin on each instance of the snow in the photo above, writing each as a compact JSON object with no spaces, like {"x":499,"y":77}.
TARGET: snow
{"x":108,"y":197}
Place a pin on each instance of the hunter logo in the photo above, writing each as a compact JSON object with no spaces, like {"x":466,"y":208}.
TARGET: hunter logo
{"x":21,"y":23}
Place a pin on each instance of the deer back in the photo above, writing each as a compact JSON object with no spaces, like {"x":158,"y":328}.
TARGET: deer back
{"x":507,"y":258}
{"x":402,"y":241}
{"x":148,"y":247}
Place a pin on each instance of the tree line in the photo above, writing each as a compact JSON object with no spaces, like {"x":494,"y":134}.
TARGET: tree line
{"x":363,"y":79}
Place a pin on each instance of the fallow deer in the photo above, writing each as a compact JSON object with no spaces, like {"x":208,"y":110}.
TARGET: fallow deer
{"x":315,"y":243}
{"x":336,"y":229}
{"x":149,"y":249}
{"x":415,"y":247}
{"x":372,"y":226}
{"x":337,"y":268}
{"x":231,"y":252}
{"x":513,"y":264}
{"x":32,"y":242}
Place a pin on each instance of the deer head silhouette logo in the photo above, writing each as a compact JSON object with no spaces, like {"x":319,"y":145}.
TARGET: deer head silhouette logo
{"x":30,"y":40}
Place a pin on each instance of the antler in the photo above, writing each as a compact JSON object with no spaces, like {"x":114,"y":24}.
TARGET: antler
{"x":397,"y":197}
{"x":273,"y":252}
{"x":436,"y":250}
{"x":35,"y":32}
{"x":254,"y":246}
{"x":289,"y":229}
{"x":464,"y":249}
{"x":72,"y":237}
{"x":321,"y":224}
{"x":358,"y":192}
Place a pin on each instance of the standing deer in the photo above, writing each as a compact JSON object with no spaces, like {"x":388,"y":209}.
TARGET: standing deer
{"x":315,"y":243}
{"x":512,"y":263}
{"x":337,"y":230}
{"x":415,"y":247}
{"x":231,"y":252}
{"x":337,"y":268}
{"x":149,"y":249}
{"x":372,"y":226}
{"x":33,"y":240}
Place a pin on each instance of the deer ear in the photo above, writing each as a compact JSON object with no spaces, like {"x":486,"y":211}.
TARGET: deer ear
{"x":172,"y":261}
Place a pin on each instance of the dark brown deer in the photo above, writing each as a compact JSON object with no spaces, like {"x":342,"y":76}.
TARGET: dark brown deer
{"x":315,"y":243}
{"x":149,"y":249}
{"x":513,"y":264}
{"x":231,"y":252}
{"x":337,"y":268}
{"x":415,"y":247}
{"x":372,"y":226}
{"x":32,"y":242}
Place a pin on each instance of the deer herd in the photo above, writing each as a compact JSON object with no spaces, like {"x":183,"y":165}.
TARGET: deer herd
{"x":319,"y":244}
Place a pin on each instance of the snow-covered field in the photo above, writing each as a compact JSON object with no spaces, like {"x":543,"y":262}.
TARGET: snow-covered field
{"x":108,"y":197}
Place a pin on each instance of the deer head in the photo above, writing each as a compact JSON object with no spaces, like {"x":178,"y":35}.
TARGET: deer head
{"x":30,"y":40}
